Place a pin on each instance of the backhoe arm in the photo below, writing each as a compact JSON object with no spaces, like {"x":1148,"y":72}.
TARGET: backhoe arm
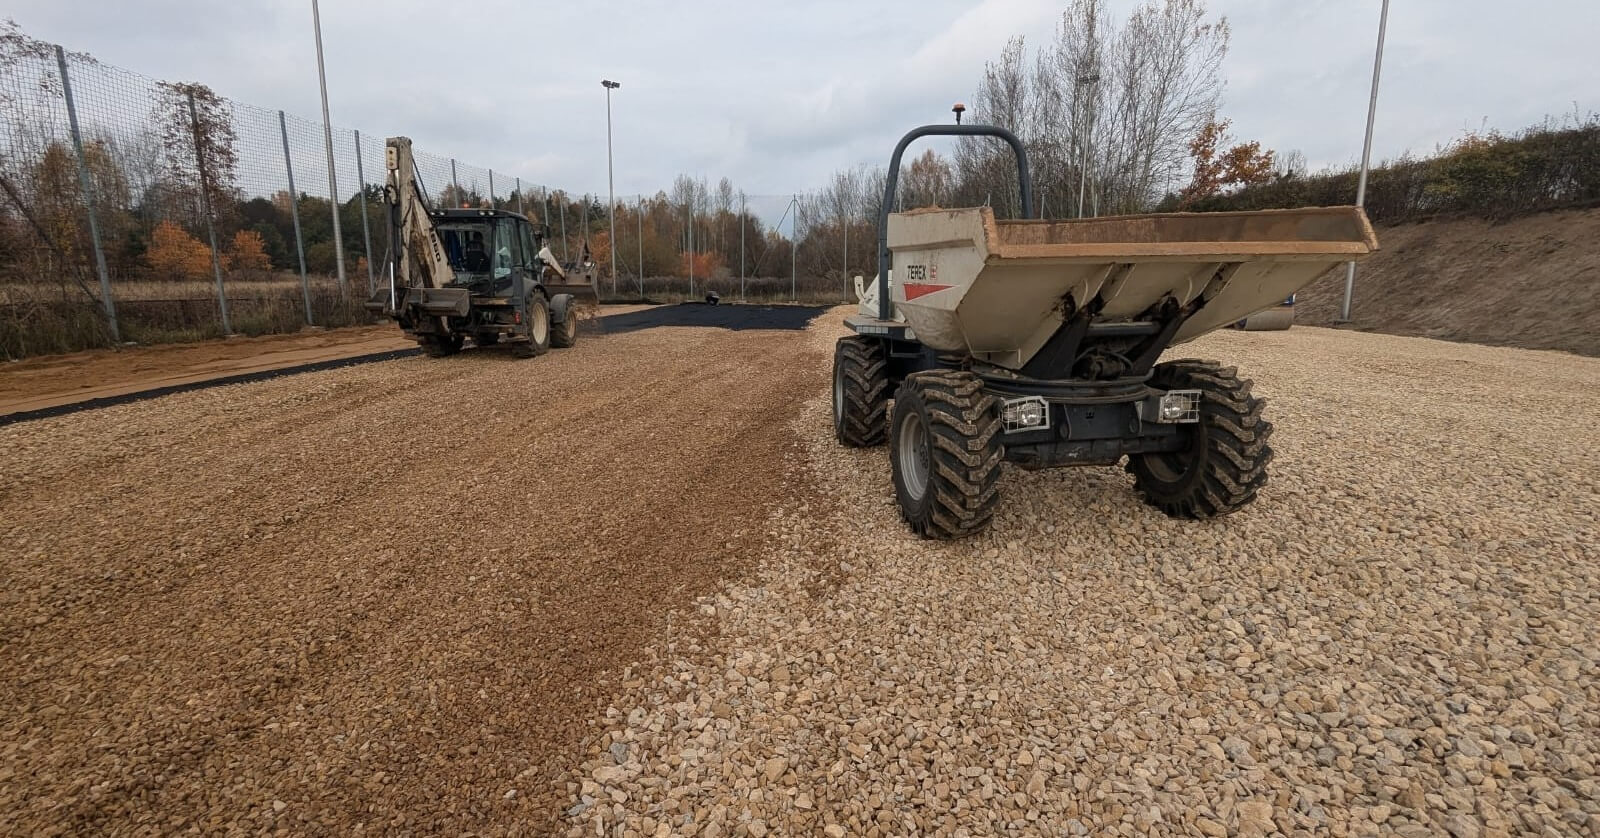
{"x":420,"y":257}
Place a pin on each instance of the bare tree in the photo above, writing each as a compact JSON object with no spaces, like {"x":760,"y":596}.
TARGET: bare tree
{"x":1106,"y":110}
{"x":928,"y":181}
{"x":1004,"y":98}
{"x":1165,"y":84}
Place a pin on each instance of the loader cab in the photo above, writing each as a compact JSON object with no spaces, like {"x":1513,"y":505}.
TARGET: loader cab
{"x":491,"y":251}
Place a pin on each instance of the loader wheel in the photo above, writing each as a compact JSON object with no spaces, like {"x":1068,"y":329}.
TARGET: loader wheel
{"x":1225,"y":461}
{"x":860,"y":392}
{"x":538,"y":340}
{"x":565,"y":333}
{"x":438,"y":346}
{"x":945,"y":451}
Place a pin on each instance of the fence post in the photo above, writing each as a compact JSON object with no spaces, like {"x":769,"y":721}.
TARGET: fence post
{"x":741,"y":245}
{"x":491,"y":190}
{"x":691,"y":248}
{"x":563,"y":230}
{"x":454,"y":181}
{"x":794,"y":252}
{"x":519,"y":198}
{"x":87,"y":187}
{"x":294,"y":215}
{"x":205,"y":210}
{"x":338,"y":236}
{"x":641,"y":250}
{"x":366,"y":230}
{"x":846,"y":225}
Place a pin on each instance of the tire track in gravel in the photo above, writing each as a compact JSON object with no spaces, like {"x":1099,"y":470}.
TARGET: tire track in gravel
{"x":391,"y":595}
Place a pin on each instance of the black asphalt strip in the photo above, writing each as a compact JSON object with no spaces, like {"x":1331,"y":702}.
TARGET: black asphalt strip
{"x":736,"y":317}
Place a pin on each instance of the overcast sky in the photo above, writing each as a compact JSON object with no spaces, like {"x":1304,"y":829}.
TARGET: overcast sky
{"x":778,"y":95}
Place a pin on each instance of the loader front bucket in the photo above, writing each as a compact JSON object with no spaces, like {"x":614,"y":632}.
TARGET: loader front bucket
{"x":580,"y":279}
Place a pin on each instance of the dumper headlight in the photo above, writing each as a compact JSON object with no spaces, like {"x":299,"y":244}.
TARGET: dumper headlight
{"x":1025,"y":414}
{"x":1179,"y":406}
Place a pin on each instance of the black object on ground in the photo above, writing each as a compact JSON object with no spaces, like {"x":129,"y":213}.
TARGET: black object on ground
{"x":687,"y":314}
{"x":734,"y":317}
{"x":242,"y":378}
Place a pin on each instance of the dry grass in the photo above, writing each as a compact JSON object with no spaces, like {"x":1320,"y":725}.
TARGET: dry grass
{"x":52,"y":318}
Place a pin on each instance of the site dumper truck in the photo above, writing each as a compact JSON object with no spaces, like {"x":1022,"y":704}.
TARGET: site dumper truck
{"x":1039,"y":343}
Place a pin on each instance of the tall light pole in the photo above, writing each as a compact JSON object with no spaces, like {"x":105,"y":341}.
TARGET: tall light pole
{"x":327,"y":136}
{"x":611,"y":183}
{"x":1366,"y":157}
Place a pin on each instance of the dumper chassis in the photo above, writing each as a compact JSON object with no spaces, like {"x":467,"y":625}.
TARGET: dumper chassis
{"x":1056,"y":360}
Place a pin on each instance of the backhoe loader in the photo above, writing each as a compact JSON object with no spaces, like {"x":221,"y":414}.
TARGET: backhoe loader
{"x":480,"y":273}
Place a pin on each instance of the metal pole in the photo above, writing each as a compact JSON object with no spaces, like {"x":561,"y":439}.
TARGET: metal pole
{"x":1083,"y":156}
{"x":794,"y":252}
{"x":611,"y":187}
{"x":563,"y":206}
{"x":327,"y":136}
{"x":491,"y":190}
{"x":366,"y":231}
{"x":846,"y":269}
{"x":455,"y":182}
{"x":1366,"y":157}
{"x":741,"y":245}
{"x":294,"y":215}
{"x":205,"y":210}
{"x":641,"y":248}
{"x":519,"y":197}
{"x":691,"y":247}
{"x":87,"y":187}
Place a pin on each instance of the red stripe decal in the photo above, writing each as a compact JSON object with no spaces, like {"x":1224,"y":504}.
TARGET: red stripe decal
{"x":917,"y":289}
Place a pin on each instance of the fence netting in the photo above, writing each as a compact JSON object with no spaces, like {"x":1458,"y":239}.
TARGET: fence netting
{"x":214,"y":216}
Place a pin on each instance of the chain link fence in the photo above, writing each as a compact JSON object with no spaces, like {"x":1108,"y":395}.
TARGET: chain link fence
{"x":755,"y":248}
{"x":138,"y":210}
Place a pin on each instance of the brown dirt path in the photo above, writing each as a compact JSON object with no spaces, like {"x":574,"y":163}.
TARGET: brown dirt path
{"x":386,"y":597}
{"x":55,"y":380}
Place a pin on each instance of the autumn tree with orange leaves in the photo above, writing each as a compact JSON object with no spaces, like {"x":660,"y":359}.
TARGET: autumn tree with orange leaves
{"x":1244,"y":164}
{"x":249,"y":252}
{"x":706,"y":263}
{"x":600,"y":248}
{"x":175,"y":254}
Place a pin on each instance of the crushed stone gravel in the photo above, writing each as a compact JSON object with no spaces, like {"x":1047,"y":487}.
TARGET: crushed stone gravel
{"x":388,"y":598}
{"x":1398,"y":638}
{"x":635,"y":588}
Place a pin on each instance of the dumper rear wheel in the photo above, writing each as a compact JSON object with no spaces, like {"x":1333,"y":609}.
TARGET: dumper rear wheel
{"x":1224,"y":461}
{"x":860,"y":392}
{"x":945,"y":452}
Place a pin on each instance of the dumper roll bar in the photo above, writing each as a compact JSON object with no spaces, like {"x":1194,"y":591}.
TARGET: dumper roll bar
{"x":893,"y":180}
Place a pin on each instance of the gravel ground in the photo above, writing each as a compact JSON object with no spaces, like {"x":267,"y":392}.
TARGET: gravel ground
{"x":635,"y":588}
{"x":384,"y":598}
{"x":1397,"y":638}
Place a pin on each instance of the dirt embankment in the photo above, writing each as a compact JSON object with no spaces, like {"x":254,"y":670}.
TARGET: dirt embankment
{"x":1533,"y":282}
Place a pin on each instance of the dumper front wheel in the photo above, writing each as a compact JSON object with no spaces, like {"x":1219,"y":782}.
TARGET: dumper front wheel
{"x":1223,"y":463}
{"x":945,"y":452}
{"x":860,"y":392}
